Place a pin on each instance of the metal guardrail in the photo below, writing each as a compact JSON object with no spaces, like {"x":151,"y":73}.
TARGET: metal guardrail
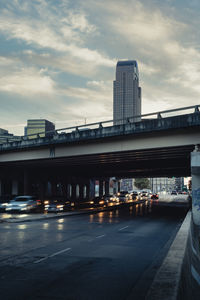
{"x":135,"y":119}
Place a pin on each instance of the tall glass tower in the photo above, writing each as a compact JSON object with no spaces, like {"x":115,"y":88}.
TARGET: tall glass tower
{"x":126,"y":92}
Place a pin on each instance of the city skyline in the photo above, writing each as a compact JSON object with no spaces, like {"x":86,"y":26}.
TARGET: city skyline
{"x":58,"y":59}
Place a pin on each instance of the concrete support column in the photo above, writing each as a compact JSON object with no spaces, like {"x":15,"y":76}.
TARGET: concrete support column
{"x":81,"y":186}
{"x":107,"y":186}
{"x":117,"y":185}
{"x":195,"y":172}
{"x":91,"y":189}
{"x":100,"y":188}
{"x":74,"y":191}
{"x":26,"y":183}
{"x":87,"y":191}
{"x":42,"y":191}
{"x":14,"y":187}
{"x":53,"y":188}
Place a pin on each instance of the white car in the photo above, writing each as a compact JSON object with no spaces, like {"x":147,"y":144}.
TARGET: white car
{"x":23,"y":204}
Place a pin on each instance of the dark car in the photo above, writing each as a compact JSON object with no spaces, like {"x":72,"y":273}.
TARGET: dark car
{"x":56,"y":205}
{"x":100,"y":201}
{"x":123,"y":196}
{"x":154,"y":196}
{"x":134,"y":195}
{"x":174,"y":193}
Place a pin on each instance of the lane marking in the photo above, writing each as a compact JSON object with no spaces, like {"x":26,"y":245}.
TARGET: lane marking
{"x":123,"y":228}
{"x":195,"y":274}
{"x":52,"y":255}
{"x":59,"y":252}
{"x":100,"y":236}
{"x":39,"y":260}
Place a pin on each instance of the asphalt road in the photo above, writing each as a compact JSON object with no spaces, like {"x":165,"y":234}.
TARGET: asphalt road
{"x":108,"y":255}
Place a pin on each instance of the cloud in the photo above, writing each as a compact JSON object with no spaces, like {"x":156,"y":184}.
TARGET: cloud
{"x":66,"y":35}
{"x":27,"y":82}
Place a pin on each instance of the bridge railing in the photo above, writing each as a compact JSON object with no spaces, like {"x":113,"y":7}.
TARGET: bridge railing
{"x":107,"y":123}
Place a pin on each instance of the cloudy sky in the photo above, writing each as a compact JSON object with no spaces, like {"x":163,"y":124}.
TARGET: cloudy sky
{"x":58,"y":57}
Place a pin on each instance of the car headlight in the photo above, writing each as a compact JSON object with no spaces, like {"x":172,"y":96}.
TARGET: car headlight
{"x":59,"y":206}
{"x":4,"y":204}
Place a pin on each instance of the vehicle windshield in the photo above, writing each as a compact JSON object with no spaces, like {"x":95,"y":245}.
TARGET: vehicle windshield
{"x":19,"y":199}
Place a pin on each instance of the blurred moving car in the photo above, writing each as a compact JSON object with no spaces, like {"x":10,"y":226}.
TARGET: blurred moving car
{"x":111,"y":200}
{"x":154,"y":196}
{"x":99,"y":201}
{"x":56,"y":206}
{"x":174,"y":193}
{"x":3,"y":205}
{"x":24,"y":204}
{"x":144,"y":194}
{"x":134,"y":195}
{"x":123,"y":196}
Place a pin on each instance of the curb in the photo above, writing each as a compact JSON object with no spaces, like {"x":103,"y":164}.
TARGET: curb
{"x":165,"y":285}
{"x":57,"y":216}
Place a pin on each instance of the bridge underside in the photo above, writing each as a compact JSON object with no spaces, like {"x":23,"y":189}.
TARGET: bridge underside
{"x":159,"y":162}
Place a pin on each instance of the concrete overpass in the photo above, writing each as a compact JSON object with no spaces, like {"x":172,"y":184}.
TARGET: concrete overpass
{"x":152,"y":147}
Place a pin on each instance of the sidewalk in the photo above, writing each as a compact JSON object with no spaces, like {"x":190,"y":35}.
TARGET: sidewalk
{"x":167,"y":281}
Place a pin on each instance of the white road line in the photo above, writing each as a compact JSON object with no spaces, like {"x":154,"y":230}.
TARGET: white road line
{"x":59,"y":252}
{"x":52,"y":255}
{"x":100,"y":236}
{"x":39,"y":260}
{"x":123,"y":228}
{"x":195,"y":274}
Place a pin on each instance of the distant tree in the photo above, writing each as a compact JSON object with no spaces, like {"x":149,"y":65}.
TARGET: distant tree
{"x":142,"y":183}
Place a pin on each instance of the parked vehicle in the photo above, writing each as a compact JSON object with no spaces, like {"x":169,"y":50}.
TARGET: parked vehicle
{"x":24,"y":204}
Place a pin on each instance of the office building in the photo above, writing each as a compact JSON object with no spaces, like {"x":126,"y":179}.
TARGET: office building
{"x":38,"y":128}
{"x":6,"y":137}
{"x":162,"y":184}
{"x":126,"y":92}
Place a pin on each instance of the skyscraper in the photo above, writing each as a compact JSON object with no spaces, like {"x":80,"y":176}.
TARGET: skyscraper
{"x":126,"y":92}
